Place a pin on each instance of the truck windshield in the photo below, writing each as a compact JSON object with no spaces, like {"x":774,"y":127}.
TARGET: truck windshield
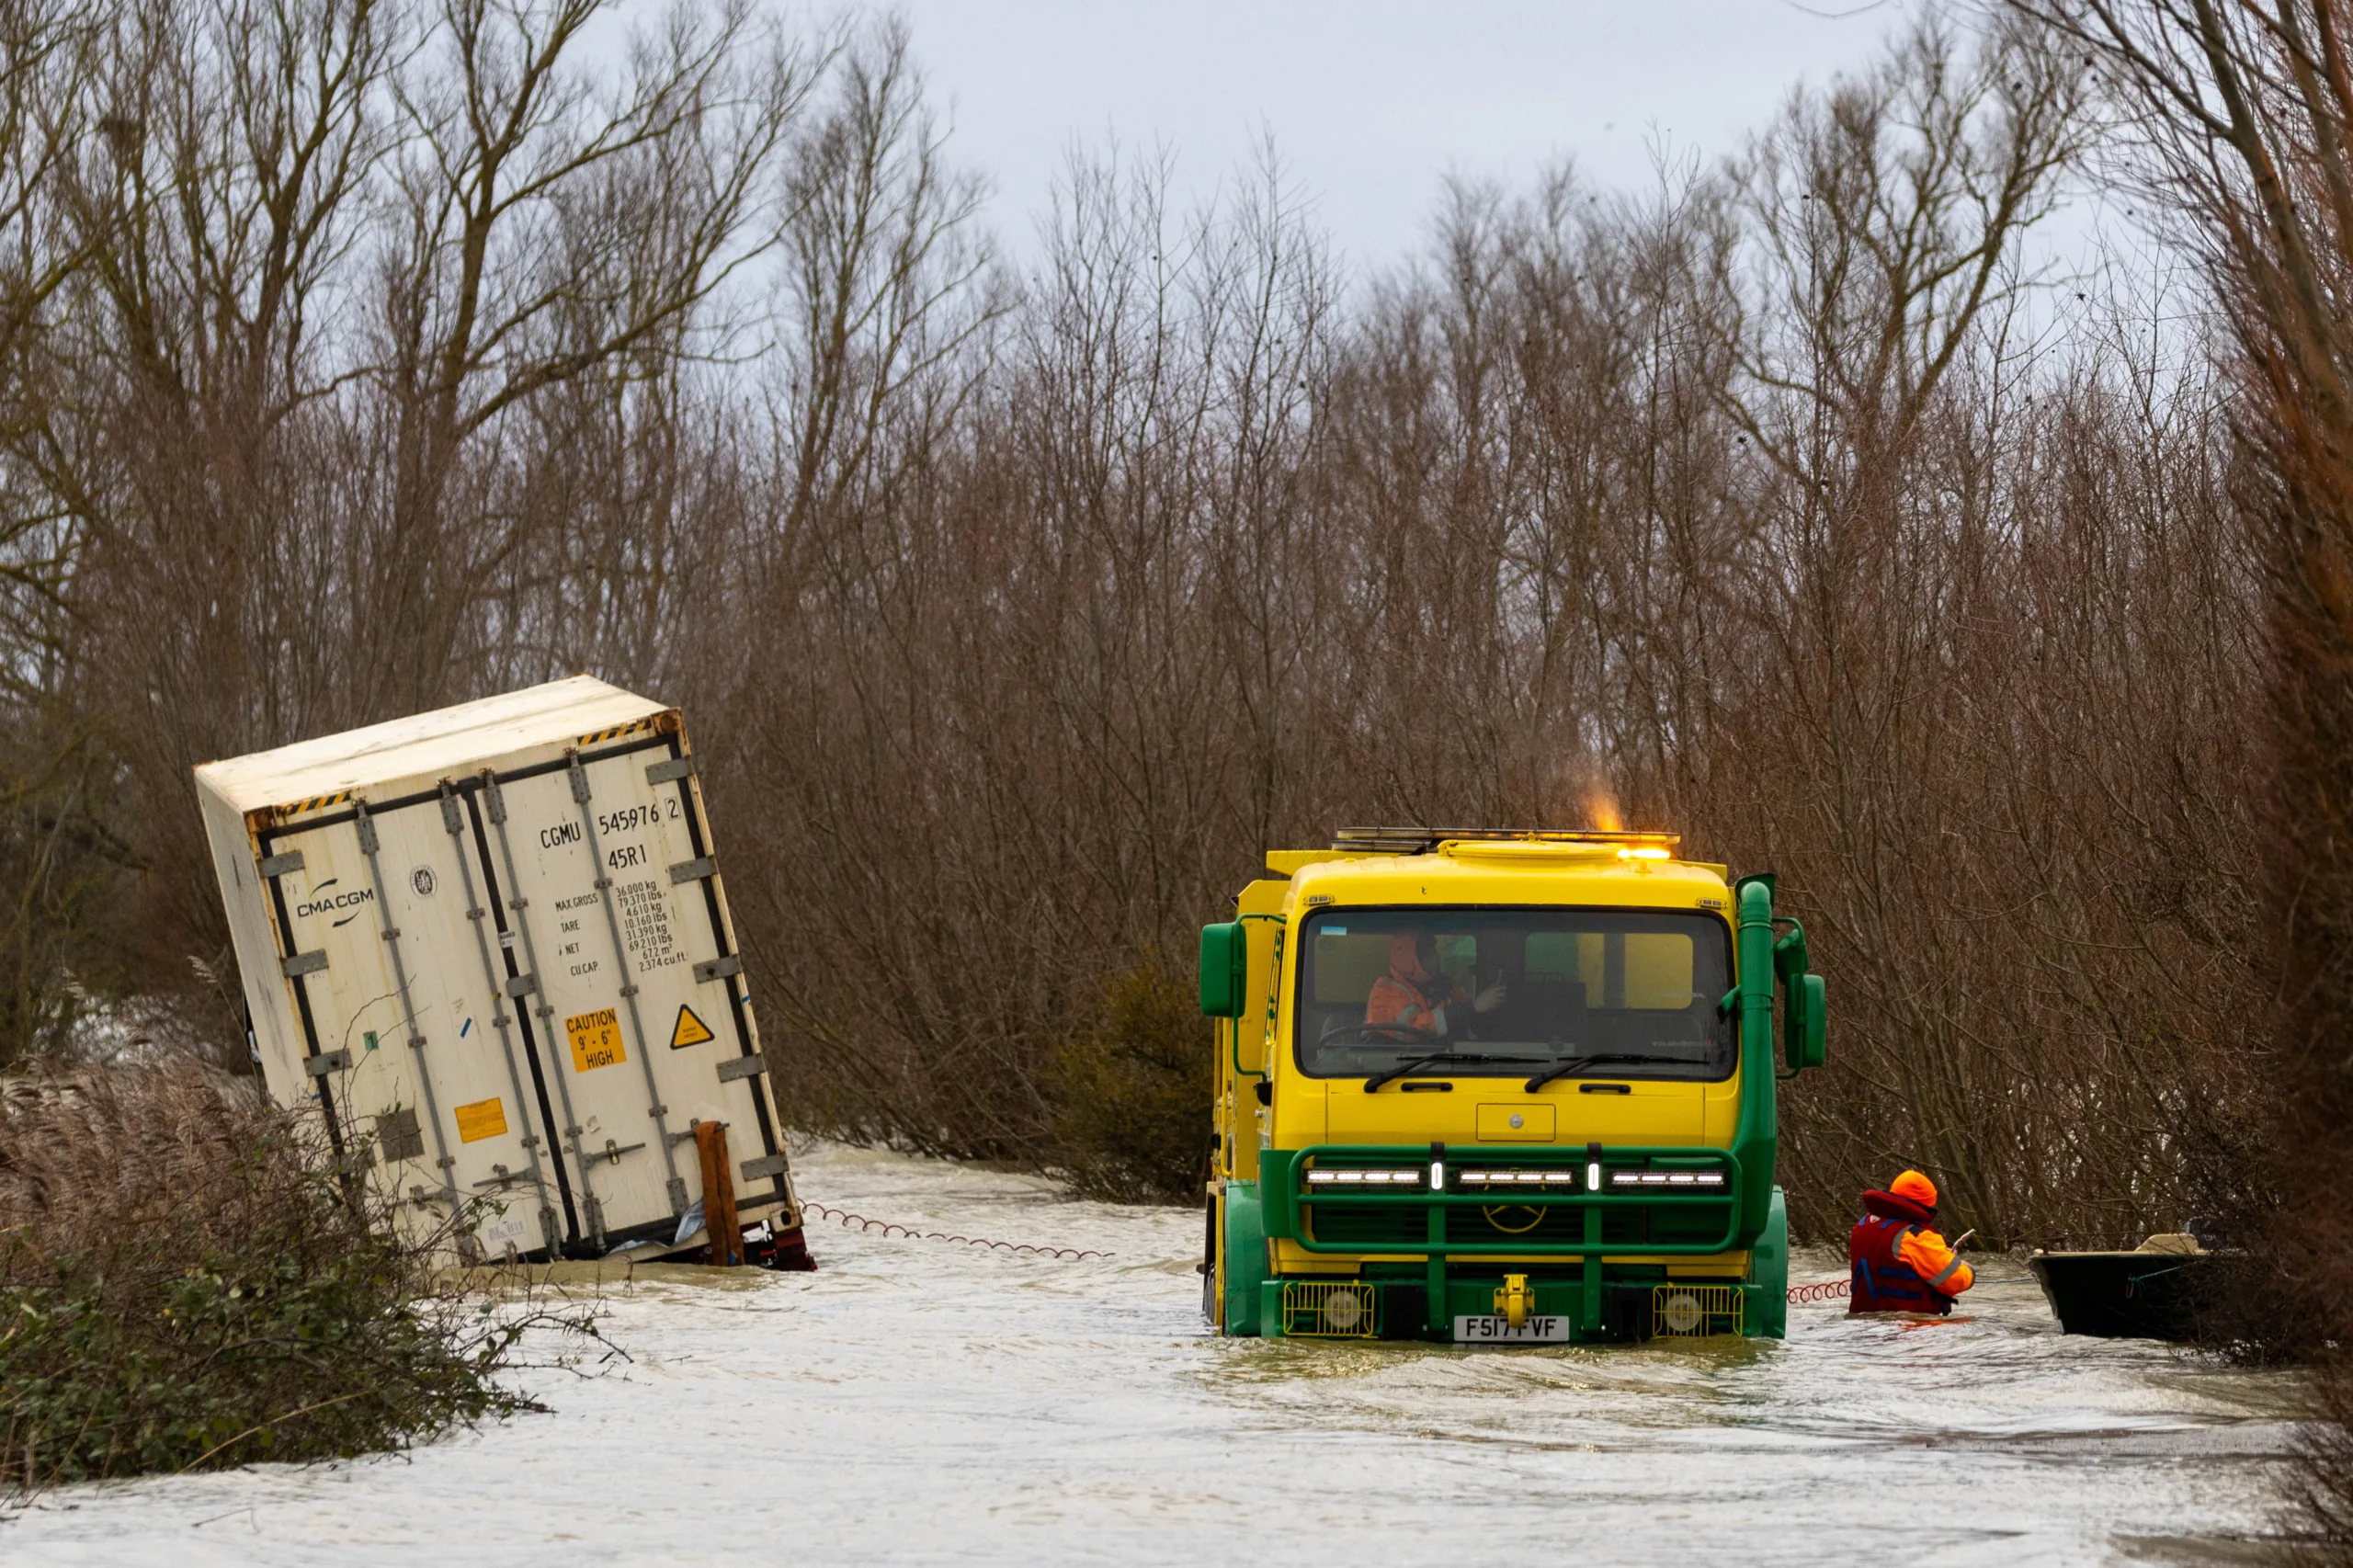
{"x":1508,"y":991}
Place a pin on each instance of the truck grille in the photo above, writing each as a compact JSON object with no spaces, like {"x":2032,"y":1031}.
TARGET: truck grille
{"x":1408,"y":1226}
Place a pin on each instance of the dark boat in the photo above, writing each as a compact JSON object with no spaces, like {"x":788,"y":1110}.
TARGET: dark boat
{"x":2155,"y":1292}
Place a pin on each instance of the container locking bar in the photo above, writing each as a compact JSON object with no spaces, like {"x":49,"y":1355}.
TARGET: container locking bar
{"x":454,"y":822}
{"x":741,"y":1067}
{"x":305,"y":963}
{"x":720,"y":969}
{"x":371,"y":845}
{"x":275,"y":866}
{"x":581,"y":793}
{"x":327,"y":1061}
{"x":493,"y":802}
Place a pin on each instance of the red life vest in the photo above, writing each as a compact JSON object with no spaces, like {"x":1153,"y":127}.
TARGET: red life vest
{"x":1882,"y":1281}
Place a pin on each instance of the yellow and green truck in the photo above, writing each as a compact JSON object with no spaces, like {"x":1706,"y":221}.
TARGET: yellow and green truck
{"x":1501,"y":1087}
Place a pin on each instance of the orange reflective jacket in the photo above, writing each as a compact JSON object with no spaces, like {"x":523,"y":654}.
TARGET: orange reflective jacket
{"x":1408,"y":996}
{"x":1899,"y":1263}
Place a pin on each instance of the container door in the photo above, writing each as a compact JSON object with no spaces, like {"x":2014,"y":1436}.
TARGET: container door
{"x":412,"y":1044}
{"x":638,"y":992}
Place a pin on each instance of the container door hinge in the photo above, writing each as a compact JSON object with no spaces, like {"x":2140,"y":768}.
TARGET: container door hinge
{"x":741,"y":1067}
{"x":694,"y":871}
{"x":305,"y":963}
{"x":671,"y":771}
{"x":719,"y":968}
{"x":522,"y":984}
{"x":677,"y":1194}
{"x":327,"y":1061}
{"x":766,"y":1165}
{"x":274,"y":866}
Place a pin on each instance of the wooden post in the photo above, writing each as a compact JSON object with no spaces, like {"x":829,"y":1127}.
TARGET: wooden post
{"x":719,"y":1196}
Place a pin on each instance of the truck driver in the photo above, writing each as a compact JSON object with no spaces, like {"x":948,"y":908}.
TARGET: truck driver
{"x":1900,"y":1263}
{"x":1415,"y":993}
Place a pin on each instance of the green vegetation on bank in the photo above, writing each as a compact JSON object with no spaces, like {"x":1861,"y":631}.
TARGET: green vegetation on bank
{"x":1131,"y":1120}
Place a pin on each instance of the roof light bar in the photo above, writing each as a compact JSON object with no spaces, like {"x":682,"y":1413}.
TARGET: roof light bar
{"x":1421,"y":840}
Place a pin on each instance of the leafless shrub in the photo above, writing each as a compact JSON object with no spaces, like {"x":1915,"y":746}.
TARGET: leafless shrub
{"x":187,"y":1281}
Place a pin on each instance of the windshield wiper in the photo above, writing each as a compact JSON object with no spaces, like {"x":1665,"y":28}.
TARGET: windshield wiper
{"x":1374,"y":1083}
{"x":1579,"y":1064}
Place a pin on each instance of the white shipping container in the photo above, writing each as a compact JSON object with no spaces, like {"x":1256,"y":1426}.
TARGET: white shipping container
{"x":490,"y":944}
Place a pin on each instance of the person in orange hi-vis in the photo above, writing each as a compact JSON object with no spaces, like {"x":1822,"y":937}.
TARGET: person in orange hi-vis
{"x":1899,"y":1263}
{"x":1414,"y":995}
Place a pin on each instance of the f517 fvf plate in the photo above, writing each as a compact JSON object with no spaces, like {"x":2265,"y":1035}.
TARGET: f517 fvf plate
{"x":1497,"y":1330}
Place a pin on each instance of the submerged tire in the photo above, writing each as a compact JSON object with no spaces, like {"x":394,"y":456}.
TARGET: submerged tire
{"x":1209,"y":1261}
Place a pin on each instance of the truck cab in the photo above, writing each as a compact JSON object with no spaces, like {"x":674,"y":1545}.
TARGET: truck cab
{"x":1501,"y":1087}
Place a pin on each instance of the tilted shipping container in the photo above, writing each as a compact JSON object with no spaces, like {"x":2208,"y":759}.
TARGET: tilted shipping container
{"x":491,"y":945}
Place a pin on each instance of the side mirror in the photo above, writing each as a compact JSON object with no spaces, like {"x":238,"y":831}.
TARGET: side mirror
{"x":1225,"y":969}
{"x":1802,"y":1027}
{"x":1801,"y":1022}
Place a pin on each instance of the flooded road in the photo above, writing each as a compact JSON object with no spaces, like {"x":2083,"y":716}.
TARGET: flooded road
{"x":925,"y":1402}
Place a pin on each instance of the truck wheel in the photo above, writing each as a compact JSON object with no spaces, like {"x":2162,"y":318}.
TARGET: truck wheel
{"x":1208,"y":1263}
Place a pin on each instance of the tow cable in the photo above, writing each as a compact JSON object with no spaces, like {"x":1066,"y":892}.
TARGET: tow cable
{"x":849,"y":1220}
{"x":1827,"y":1290}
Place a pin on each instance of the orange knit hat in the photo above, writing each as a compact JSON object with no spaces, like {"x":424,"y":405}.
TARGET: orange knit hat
{"x":1916,"y":1187}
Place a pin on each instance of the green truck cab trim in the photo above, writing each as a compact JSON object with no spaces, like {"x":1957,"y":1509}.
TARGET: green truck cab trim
{"x":1756,"y":1137}
{"x":1246,"y":1256}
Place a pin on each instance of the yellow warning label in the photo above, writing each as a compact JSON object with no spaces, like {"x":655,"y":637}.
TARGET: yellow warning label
{"x":596,"y":1039}
{"x":483,"y":1119}
{"x":691,"y":1030}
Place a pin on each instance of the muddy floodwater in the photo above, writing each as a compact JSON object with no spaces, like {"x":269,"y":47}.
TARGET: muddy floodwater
{"x":925,"y":1402}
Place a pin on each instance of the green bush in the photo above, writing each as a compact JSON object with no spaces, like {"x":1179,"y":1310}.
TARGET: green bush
{"x":1132,"y":1094}
{"x":185,"y":1283}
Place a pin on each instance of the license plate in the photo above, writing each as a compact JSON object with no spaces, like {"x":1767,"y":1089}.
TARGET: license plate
{"x":1499,"y":1330}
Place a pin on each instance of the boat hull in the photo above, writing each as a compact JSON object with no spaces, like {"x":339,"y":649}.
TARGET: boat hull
{"x":2125,"y":1295}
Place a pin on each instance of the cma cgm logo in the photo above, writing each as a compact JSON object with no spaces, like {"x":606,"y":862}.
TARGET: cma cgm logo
{"x":322,"y":902}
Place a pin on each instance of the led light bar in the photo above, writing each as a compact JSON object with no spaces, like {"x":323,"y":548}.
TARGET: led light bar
{"x":1363,"y":1178}
{"x":1666,"y":1178}
{"x":1521,"y":1178}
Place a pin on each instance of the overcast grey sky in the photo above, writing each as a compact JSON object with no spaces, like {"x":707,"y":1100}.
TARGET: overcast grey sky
{"x":1372,"y":102}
